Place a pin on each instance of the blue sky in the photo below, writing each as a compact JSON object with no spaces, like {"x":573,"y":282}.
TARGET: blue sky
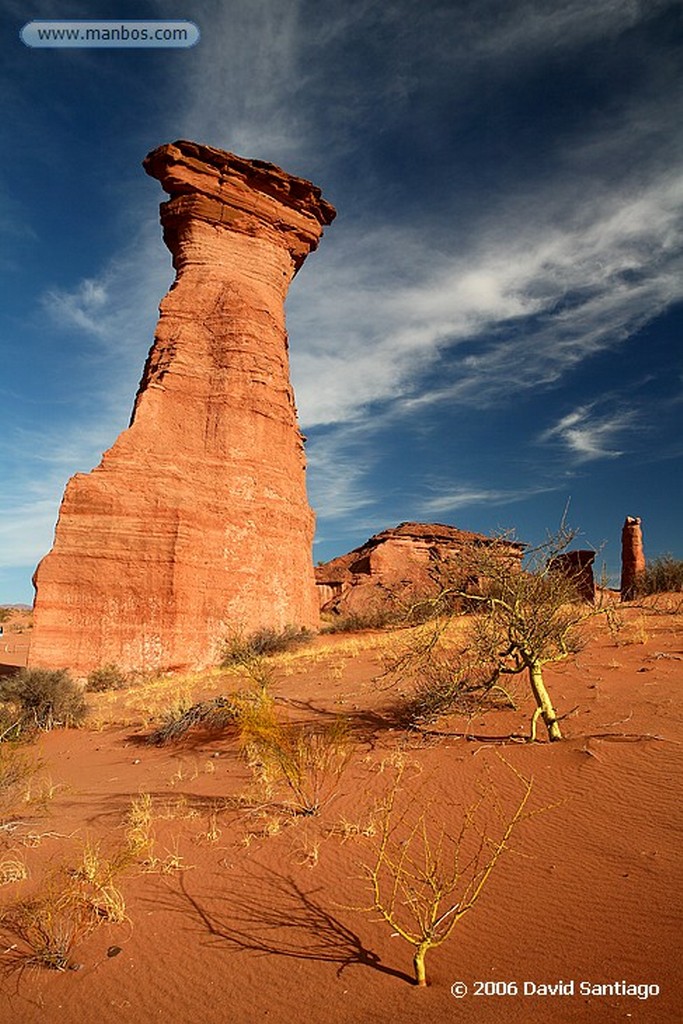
{"x":491,"y":327}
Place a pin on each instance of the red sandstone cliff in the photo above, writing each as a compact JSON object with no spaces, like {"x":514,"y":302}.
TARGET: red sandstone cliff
{"x":196,"y":521}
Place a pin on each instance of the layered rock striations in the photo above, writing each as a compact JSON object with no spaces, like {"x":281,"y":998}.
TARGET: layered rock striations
{"x":401,"y":565}
{"x":196,"y":522}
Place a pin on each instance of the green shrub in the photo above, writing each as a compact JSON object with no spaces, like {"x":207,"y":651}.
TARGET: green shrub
{"x":664,"y":575}
{"x":44,"y":698}
{"x":240,"y":650}
{"x":109,"y":677}
{"x":356,"y":622}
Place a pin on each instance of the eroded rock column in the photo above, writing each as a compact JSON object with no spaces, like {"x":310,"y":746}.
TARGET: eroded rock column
{"x":196,"y":522}
{"x":632,"y":557}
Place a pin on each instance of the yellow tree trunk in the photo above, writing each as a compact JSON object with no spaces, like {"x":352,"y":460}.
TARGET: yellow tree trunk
{"x":419,"y":964}
{"x":543,"y":701}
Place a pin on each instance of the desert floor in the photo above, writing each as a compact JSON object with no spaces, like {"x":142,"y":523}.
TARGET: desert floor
{"x":238,"y":911}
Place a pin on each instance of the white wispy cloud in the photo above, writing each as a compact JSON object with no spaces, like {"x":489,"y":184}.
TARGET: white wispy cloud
{"x":116,"y":311}
{"x":37,"y":462}
{"x":519,"y":29}
{"x":26,"y":531}
{"x":590,"y":435}
{"x":340,"y":474}
{"x":452,"y":500}
{"x":81,"y":307}
{"x":241,"y":94}
{"x":531,"y":298}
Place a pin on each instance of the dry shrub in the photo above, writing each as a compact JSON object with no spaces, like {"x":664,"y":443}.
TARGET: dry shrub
{"x":138,"y":826}
{"x":95,"y":878}
{"x":43,"y":931}
{"x":357,"y":622}
{"x":43,"y":698}
{"x":239,"y":649}
{"x":12,"y":870}
{"x":428,"y":869}
{"x":108,"y":677}
{"x":452,"y":683}
{"x":140,"y":840}
{"x":663,"y":575}
{"x":214,"y":715}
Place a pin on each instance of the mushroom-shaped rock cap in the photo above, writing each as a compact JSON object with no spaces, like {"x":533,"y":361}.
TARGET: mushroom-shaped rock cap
{"x":248,"y":196}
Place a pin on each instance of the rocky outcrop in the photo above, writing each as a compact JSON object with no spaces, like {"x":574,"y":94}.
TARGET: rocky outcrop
{"x":397,"y":567}
{"x":577,"y":567}
{"x":196,"y":521}
{"x":632,"y":557}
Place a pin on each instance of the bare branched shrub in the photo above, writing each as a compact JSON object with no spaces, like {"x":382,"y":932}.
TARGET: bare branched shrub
{"x":427,"y":873}
{"x":213,"y":715}
{"x":519,"y":620}
{"x":44,"y":698}
{"x":453,"y":685}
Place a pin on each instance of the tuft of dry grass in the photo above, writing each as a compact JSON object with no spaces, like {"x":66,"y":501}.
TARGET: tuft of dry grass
{"x":307,"y":761}
{"x":43,"y":930}
{"x":18,"y":770}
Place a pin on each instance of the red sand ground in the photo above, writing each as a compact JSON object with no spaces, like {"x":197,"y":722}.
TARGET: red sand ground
{"x":254,"y":923}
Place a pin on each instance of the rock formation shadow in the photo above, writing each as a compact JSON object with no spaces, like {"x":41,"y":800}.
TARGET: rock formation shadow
{"x":271,"y":915}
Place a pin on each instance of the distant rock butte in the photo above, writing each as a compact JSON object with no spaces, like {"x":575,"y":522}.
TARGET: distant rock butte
{"x":196,"y":521}
{"x":395,"y":567}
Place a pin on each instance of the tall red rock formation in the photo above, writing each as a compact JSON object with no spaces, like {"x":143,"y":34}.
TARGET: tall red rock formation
{"x":632,"y":557}
{"x":196,"y":521}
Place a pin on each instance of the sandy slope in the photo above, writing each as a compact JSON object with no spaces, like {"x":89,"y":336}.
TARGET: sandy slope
{"x":254,"y":919}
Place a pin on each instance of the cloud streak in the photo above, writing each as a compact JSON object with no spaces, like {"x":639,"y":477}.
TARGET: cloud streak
{"x":590,"y":436}
{"x":529,"y":301}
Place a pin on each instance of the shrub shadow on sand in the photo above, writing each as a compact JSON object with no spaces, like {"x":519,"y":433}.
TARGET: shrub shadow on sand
{"x":270,"y":914}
